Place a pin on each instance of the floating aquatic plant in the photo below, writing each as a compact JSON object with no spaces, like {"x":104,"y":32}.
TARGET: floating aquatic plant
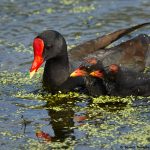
{"x":83,"y":9}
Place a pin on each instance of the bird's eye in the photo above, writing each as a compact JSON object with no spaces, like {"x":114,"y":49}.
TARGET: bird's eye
{"x":81,"y":67}
{"x":49,"y":46}
{"x":100,"y":71}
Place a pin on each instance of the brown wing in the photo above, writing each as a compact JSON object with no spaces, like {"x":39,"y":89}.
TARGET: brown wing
{"x":134,"y":53}
{"x":93,"y":45}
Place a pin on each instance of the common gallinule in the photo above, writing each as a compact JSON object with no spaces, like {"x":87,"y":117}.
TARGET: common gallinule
{"x":94,"y":85}
{"x":120,"y":81}
{"x":113,"y":80}
{"x":132,"y":54}
{"x":50,"y":46}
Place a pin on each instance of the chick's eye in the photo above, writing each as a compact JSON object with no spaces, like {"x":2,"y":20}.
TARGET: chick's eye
{"x":100,"y":71}
{"x":82,"y":68}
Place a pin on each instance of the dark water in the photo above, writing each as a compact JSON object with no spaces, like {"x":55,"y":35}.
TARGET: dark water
{"x":30,"y":120}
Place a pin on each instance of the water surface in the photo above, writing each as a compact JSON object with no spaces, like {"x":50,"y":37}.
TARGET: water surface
{"x":31,"y":119}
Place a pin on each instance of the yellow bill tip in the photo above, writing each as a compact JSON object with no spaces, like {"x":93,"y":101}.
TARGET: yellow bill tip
{"x":73,"y":74}
{"x":92,"y":73}
{"x":97,"y":74}
{"x":32,"y":74}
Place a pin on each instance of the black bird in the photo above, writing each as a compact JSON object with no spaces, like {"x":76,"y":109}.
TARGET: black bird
{"x":94,"y":85}
{"x":122,"y":81}
{"x":50,"y":46}
{"x":113,"y":80}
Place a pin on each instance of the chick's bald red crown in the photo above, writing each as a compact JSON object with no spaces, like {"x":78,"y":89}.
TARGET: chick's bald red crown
{"x":94,"y":68}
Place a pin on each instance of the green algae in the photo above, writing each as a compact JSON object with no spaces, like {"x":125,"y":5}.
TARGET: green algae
{"x":69,"y":2}
{"x":20,"y":48}
{"x":70,"y":46}
{"x":50,"y":10}
{"x":68,"y":144}
{"x":122,"y":127}
{"x":17,"y":47}
{"x":15,"y":78}
{"x":147,"y":69}
{"x":82,"y":9}
{"x":104,"y":99}
{"x":20,"y":83}
{"x":11,"y":136}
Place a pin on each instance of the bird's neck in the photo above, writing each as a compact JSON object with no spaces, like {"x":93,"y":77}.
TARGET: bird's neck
{"x":56,"y":72}
{"x":95,"y":86}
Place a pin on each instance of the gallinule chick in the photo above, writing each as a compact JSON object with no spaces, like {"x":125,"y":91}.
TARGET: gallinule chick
{"x":120,"y":81}
{"x":113,"y":80}
{"x":132,"y":54}
{"x":50,"y":46}
{"x":94,"y":85}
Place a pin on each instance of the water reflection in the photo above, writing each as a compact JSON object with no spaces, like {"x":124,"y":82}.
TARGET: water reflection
{"x":63,"y":121}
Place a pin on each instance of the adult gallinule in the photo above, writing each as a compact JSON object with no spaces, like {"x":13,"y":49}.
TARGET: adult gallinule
{"x":50,"y":46}
{"x":133,"y":54}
